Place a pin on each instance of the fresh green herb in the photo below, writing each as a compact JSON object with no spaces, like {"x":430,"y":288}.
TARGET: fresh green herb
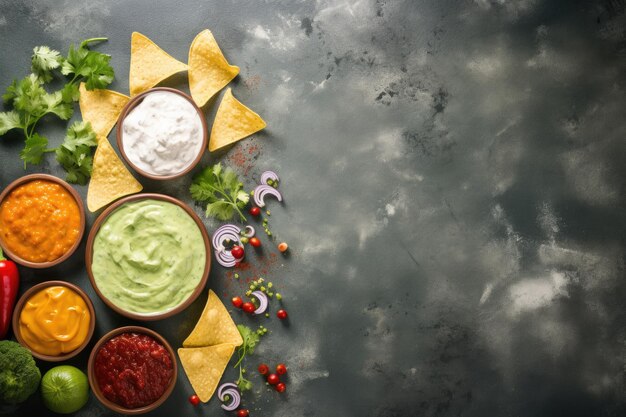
{"x":31,"y":102}
{"x":74,"y":154}
{"x":250,"y":338}
{"x":221,"y":190}
{"x":92,"y":66}
{"x":43,"y":61}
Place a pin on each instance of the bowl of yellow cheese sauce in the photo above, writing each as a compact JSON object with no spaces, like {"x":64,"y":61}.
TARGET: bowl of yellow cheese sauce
{"x":54,"y":320}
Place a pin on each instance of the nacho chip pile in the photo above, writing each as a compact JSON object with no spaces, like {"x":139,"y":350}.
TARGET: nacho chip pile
{"x":208,"y":73}
{"x":209,"y":347}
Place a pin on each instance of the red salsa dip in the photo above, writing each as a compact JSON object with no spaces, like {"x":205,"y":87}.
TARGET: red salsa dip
{"x":133,"y":370}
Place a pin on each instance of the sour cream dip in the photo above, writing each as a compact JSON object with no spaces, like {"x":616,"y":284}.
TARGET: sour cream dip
{"x":163,"y":134}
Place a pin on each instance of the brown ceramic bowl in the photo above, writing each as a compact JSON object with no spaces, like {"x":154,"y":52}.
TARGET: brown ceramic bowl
{"x":95,"y":387}
{"x":23,"y":180}
{"x":33,"y":290}
{"x":89,"y":256}
{"x":131,"y":105}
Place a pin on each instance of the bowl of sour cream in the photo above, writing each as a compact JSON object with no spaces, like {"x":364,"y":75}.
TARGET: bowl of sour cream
{"x":161,"y":133}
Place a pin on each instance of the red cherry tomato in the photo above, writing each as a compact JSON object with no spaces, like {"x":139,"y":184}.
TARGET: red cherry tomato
{"x":273,"y":379}
{"x":281,"y":387}
{"x":281,"y":369}
{"x":237,"y":302}
{"x":281,"y":314}
{"x":255,"y":211}
{"x":243,"y":413}
{"x":283,"y":247}
{"x":237,"y":252}
{"x":194,"y":400}
{"x":248,"y":307}
{"x":263,"y":369}
{"x":254,"y":241}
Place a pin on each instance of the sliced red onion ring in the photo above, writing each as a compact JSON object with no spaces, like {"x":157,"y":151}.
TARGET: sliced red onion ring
{"x":230,"y":232}
{"x":262,"y":302}
{"x":249,"y":231}
{"x":260,"y":191}
{"x":230,"y":389}
{"x":269,"y":175}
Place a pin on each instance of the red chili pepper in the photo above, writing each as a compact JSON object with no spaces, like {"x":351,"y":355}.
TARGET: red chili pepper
{"x":9,"y":284}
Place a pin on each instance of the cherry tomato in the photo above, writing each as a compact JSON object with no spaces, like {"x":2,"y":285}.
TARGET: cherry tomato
{"x":283,"y":247}
{"x":255,"y":211}
{"x":281,"y":387}
{"x":263,"y":369}
{"x":243,"y":413}
{"x":248,"y":307}
{"x":281,"y":314}
{"x":237,"y":252}
{"x":281,"y":369}
{"x":273,"y":379}
{"x":254,"y":241}
{"x":237,"y":302}
{"x":194,"y":400}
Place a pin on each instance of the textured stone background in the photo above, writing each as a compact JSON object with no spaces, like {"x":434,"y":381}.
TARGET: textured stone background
{"x":453,"y":173}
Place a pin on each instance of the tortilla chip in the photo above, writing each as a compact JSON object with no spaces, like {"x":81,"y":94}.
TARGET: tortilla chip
{"x":149,"y":64}
{"x":233,"y":122}
{"x":209,"y":71}
{"x":204,"y":367}
{"x":110,"y":179}
{"x":101,"y":108}
{"x":214,"y":327}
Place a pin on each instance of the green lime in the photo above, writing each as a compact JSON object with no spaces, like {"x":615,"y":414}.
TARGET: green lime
{"x":64,"y":389}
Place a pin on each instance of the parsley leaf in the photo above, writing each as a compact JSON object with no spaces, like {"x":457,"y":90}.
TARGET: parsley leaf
{"x":74,"y":154}
{"x":34,"y":149}
{"x":250,"y":338}
{"x":221,"y":190}
{"x":43,"y":61}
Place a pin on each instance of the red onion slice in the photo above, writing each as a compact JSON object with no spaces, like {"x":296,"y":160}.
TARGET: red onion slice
{"x":260,"y":191}
{"x":269,"y":175}
{"x":230,"y":389}
{"x":262,"y":302}
{"x":230,"y":232}
{"x":249,"y":231}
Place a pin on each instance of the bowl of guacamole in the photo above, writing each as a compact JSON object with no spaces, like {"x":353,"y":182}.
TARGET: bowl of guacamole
{"x":148,"y":256}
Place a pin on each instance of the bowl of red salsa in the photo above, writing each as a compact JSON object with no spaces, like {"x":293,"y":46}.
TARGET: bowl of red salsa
{"x":132,"y":370}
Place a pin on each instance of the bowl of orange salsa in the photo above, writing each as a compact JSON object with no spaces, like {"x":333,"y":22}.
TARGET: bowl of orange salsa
{"x":42,"y":220}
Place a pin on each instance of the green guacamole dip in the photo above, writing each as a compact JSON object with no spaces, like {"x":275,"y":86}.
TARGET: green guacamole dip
{"x":148,"y":256}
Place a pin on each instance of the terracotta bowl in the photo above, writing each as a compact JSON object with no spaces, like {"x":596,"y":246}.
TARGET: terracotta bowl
{"x":91,"y":374}
{"x":89,"y":256}
{"x":33,"y":290}
{"x":81,"y":209}
{"x":131,"y":105}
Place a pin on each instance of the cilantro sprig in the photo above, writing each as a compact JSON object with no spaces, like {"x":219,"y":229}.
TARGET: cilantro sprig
{"x":74,"y":154}
{"x":221,"y":190}
{"x":250,"y":338}
{"x":30,"y":101}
